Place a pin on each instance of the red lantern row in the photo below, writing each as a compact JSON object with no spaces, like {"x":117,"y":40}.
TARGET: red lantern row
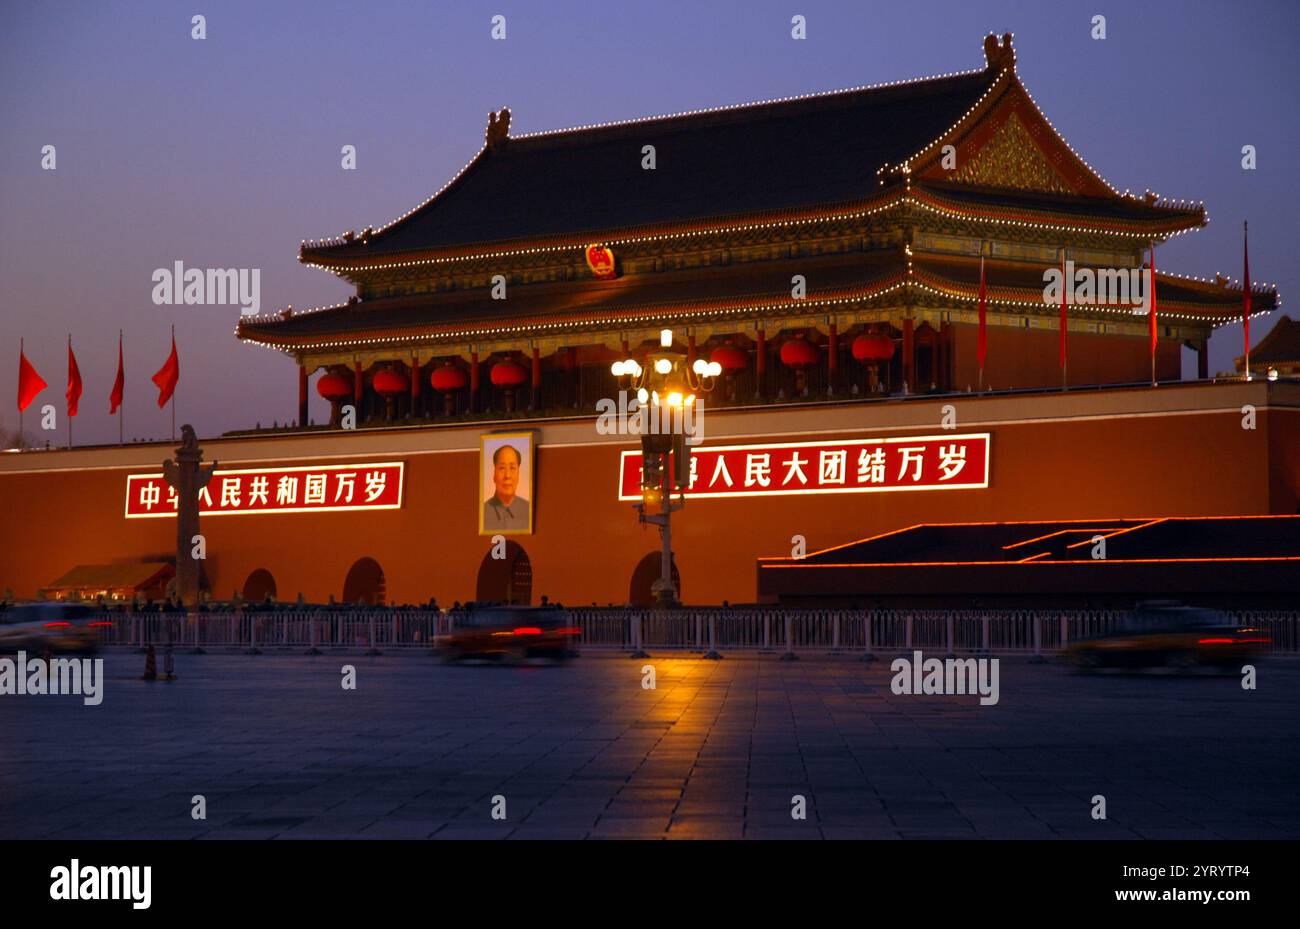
{"x":795,"y":353}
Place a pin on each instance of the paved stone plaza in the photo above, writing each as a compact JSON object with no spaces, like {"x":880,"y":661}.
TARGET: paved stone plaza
{"x":717,"y":750}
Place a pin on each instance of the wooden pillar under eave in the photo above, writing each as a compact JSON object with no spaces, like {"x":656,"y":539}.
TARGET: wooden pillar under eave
{"x":575,"y":376}
{"x":358,"y":383}
{"x":760,"y":364}
{"x":943,"y":374}
{"x":909,"y":357}
{"x":415,"y":388}
{"x":473,"y":382}
{"x":302,"y":395}
{"x":536,"y":403}
{"x":690,"y":350}
{"x":1203,"y":360}
{"x":832,"y":359}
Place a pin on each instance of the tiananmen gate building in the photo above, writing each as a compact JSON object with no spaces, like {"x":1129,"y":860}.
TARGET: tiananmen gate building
{"x":828,"y":253}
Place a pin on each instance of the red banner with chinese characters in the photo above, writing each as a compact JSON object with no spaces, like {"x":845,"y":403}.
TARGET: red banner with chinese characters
{"x":930,"y":462}
{"x":322,"y":489}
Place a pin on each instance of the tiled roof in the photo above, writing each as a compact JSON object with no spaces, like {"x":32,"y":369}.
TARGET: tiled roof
{"x":1281,"y":345}
{"x":821,"y":149}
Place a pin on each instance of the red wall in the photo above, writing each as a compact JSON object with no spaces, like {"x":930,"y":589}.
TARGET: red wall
{"x":1054,"y":460}
{"x":1020,"y":358}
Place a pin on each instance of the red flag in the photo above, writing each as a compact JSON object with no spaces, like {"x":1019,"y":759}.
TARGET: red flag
{"x":115,"y":398}
{"x":983,"y":349}
{"x":1245,"y":290}
{"x":1151,"y":299}
{"x":1064,"y":287}
{"x":29,"y":382}
{"x":168,"y":375}
{"x":74,"y":381}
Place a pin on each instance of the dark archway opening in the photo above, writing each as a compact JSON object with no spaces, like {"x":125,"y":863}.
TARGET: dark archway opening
{"x":641,"y":592}
{"x":506,"y":580}
{"x":259,"y":586}
{"x":365,"y":584}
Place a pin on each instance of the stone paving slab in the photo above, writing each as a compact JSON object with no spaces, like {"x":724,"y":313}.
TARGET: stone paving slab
{"x":717,"y":750}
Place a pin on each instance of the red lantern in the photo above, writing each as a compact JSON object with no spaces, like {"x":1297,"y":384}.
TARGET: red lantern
{"x":389,"y":383}
{"x":448,"y":378}
{"x":730,"y":358}
{"x":798,"y":353}
{"x":508,"y":374}
{"x":334,"y":387}
{"x":873,"y":348}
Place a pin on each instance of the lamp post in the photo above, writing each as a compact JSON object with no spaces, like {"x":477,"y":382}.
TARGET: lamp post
{"x":666,"y":389}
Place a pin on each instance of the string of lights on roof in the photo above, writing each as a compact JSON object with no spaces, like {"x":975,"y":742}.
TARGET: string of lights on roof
{"x":922,"y":282}
{"x":591,"y":323}
{"x":888,"y":200}
{"x":320,"y":243}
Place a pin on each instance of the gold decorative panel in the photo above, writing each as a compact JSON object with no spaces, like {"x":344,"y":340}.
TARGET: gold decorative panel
{"x":1011,"y":159}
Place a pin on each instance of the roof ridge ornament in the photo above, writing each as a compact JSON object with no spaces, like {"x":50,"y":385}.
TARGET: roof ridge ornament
{"x":1000,"y":57}
{"x":498,"y":129}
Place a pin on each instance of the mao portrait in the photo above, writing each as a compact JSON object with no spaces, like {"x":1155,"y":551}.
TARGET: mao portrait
{"x":506,"y":483}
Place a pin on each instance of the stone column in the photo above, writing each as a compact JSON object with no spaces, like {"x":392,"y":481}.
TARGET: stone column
{"x":188,"y":476}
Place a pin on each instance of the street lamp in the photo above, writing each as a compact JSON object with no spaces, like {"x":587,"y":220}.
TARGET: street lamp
{"x":667,"y":387}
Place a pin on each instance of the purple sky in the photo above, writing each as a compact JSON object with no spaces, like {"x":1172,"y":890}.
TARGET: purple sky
{"x":225,"y":152}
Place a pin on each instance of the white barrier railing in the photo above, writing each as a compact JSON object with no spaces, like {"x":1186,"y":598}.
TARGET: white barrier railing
{"x":1035,"y":632}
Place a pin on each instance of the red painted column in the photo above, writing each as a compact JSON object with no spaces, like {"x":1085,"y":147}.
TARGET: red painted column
{"x":832,"y":359}
{"x":358,"y":382}
{"x":690,"y":350}
{"x":943,"y":374}
{"x":760,"y":363}
{"x":575,"y":376}
{"x":1203,"y":360}
{"x":302,"y":395}
{"x":909,"y":356}
{"x":415,"y":388}
{"x":537,"y":379}
{"x":473,"y":382}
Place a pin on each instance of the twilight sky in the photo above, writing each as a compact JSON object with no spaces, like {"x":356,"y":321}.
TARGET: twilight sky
{"x":226,"y":152}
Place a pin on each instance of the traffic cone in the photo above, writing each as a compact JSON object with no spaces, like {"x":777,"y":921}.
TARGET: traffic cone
{"x":150,"y":665}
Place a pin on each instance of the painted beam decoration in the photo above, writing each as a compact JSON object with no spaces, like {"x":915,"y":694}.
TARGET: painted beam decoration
{"x":932,"y":462}
{"x":320,"y":489}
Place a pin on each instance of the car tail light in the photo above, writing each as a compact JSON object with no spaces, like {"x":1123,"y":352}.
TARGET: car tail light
{"x":569,"y":630}
{"x":102,"y":622}
{"x":58,"y":625}
{"x":528,"y":630}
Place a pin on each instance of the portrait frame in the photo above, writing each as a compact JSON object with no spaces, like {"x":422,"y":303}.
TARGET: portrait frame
{"x":525,"y":444}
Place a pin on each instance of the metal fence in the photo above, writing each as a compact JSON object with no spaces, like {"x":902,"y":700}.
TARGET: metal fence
{"x":1007,"y":632}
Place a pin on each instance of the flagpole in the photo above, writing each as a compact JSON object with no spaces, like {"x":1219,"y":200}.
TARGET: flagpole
{"x":1065,"y":354}
{"x":66,"y":411}
{"x":21,"y":349}
{"x":1245,"y":287}
{"x":173,"y":397}
{"x":1151,"y":308}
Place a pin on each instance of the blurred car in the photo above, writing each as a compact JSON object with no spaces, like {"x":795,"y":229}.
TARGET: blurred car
{"x":1170,"y":635}
{"x":511,"y":634}
{"x":60,"y":627}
